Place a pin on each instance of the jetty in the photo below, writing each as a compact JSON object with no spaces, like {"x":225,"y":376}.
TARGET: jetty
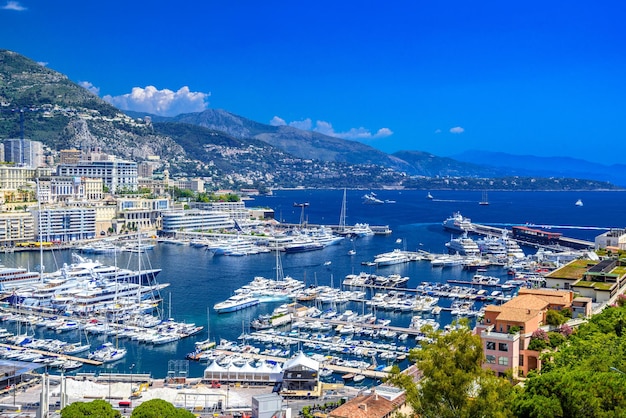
{"x":52,"y":354}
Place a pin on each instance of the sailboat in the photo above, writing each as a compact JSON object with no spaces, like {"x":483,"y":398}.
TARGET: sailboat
{"x":429,"y":196}
{"x":579,"y":202}
{"x":78,"y":347}
{"x":484,"y":201}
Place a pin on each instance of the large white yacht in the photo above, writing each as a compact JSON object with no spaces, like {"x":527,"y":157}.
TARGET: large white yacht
{"x":458,"y":223}
{"x":235,"y":303}
{"x":388,"y":259}
{"x":463,"y":245}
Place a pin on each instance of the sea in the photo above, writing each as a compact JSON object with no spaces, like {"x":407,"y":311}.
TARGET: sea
{"x":198,"y":280}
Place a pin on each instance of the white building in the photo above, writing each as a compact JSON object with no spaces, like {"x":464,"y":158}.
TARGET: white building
{"x":195,"y":220}
{"x":16,"y":227}
{"x":236,"y":210}
{"x":615,"y":238}
{"x":64,"y":224}
{"x":116,"y":175}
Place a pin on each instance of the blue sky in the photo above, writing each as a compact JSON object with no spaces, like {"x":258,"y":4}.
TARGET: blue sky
{"x":538,"y":78}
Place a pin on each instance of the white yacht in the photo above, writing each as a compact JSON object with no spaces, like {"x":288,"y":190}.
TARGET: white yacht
{"x":463,"y":245}
{"x":391,"y":258}
{"x":458,"y":223}
{"x":235,"y":303}
{"x":371,"y":199}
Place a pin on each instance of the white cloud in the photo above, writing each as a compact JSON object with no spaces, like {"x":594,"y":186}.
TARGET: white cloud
{"x":14,"y":5}
{"x":326,"y":128}
{"x":87,"y":85}
{"x":43,"y":63}
{"x":457,"y":130}
{"x":437,"y":131}
{"x":161,"y":102}
{"x":305,"y":124}
{"x":276,"y":121}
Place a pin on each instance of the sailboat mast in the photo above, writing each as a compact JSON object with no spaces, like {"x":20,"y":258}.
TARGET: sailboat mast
{"x":342,"y":216}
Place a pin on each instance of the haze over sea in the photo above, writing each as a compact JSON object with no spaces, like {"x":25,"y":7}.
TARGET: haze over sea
{"x":199,"y":280}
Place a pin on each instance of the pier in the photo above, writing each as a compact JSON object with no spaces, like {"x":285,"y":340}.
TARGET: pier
{"x":52,"y":354}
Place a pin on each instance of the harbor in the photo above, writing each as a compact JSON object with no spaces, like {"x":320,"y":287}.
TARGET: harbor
{"x":395,"y":293}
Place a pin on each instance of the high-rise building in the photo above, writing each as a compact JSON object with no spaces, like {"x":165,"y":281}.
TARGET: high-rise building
{"x":115,"y":175}
{"x":24,"y":152}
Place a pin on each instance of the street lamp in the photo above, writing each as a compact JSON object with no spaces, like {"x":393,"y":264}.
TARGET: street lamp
{"x":132,"y":366}
{"x":615,"y":369}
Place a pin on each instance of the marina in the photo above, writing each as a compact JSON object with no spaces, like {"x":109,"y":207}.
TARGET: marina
{"x":199,"y":280}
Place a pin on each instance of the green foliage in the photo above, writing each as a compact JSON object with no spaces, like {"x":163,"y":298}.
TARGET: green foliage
{"x":537,"y":344}
{"x":454,"y":383}
{"x":556,"y":339}
{"x":555,"y":318}
{"x":577,"y":379}
{"x":158,"y":408}
{"x":96,"y":409}
{"x":572,"y":394}
{"x":514,"y":330}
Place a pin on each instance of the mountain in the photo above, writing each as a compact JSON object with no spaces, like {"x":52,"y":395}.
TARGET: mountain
{"x":227,"y":150}
{"x":299,"y":143}
{"x":427,"y":164}
{"x":530,"y":165}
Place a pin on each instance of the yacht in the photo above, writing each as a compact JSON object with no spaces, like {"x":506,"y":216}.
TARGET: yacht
{"x":11,"y":278}
{"x":371,"y":199}
{"x":301,"y":246}
{"x":458,"y":223}
{"x":235,"y":303}
{"x":463,"y":245}
{"x":107,"y":353}
{"x":388,"y":259}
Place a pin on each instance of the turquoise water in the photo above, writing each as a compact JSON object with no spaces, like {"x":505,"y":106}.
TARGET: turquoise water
{"x":198,"y":281}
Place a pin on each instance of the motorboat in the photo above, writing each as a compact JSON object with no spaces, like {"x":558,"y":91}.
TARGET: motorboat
{"x":371,"y":199}
{"x":236,"y":302}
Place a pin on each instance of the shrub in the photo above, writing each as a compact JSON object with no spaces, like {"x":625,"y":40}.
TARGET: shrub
{"x":566,"y":330}
{"x":556,"y":339}
{"x":537,"y":344}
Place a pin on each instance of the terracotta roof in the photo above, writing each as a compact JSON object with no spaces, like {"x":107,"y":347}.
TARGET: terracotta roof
{"x":364,"y":406}
{"x":555,"y":297}
{"x":526,"y":302}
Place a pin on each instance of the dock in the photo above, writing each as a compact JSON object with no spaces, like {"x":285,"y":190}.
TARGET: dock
{"x":52,"y":354}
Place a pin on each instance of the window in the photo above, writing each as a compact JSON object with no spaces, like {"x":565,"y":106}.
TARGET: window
{"x":503,"y":347}
{"x":491,"y":345}
{"x":503,"y":361}
{"x":521,"y":360}
{"x":490,"y":359}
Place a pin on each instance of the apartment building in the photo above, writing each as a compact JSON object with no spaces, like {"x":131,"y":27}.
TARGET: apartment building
{"x":16,"y":227}
{"x":236,"y":210}
{"x":506,"y":330}
{"x":64,"y":224}
{"x":195,"y":220}
{"x":116,"y":174}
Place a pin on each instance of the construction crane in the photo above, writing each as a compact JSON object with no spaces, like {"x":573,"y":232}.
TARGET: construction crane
{"x":301,"y":205}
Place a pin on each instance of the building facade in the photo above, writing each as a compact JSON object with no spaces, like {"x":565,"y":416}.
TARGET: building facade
{"x":506,"y":330}
{"x":236,"y":210}
{"x":64,"y":224}
{"x":117,"y":175}
{"x":195,"y":220}
{"x":16,"y":227}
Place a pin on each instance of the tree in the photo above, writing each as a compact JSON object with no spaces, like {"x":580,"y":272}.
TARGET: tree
{"x":97,"y":409}
{"x":555,"y":318}
{"x":454,"y":383}
{"x":158,"y":408}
